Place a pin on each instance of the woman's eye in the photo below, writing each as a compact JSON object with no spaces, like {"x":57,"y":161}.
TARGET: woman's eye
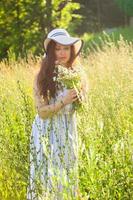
{"x":66,"y":48}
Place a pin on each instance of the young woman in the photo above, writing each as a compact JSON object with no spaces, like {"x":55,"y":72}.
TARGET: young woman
{"x":54,"y":138}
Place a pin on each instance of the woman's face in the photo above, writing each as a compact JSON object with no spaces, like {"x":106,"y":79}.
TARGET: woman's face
{"x":62,"y":53}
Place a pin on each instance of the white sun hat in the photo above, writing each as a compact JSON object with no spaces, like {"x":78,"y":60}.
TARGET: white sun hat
{"x":61,"y":36}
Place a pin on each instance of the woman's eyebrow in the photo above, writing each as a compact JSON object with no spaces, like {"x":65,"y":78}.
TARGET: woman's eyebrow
{"x":58,"y":45}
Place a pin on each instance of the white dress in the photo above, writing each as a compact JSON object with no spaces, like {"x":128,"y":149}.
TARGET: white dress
{"x":54,"y":155}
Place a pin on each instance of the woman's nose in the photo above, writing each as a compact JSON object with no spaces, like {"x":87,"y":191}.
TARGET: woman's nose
{"x":62,"y":53}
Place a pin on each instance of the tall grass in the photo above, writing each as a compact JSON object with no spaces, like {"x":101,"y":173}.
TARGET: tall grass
{"x":105,"y":127}
{"x":96,"y":40}
{"x":17,"y":112}
{"x":107,"y":131}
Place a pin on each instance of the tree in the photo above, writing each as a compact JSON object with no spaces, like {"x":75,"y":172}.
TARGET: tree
{"x":127,"y":7}
{"x":98,"y":15}
{"x":24,"y":24}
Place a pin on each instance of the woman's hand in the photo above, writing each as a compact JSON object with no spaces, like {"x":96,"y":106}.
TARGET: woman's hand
{"x":70,"y":97}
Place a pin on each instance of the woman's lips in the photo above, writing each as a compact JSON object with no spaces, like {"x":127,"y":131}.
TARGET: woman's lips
{"x":62,"y":58}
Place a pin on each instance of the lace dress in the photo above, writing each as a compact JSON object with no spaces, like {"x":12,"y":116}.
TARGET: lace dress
{"x":54,"y":155}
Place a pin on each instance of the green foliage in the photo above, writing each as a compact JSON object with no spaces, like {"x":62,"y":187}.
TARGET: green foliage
{"x":15,"y":126}
{"x":93,"y":42}
{"x":126,"y":6}
{"x":65,"y":15}
{"x":107,"y":137}
{"x":24,"y":24}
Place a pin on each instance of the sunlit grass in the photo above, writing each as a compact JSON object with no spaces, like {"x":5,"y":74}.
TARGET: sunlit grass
{"x":96,"y":40}
{"x":105,"y":127}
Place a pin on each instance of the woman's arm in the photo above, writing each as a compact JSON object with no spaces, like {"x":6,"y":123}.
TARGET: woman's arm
{"x":44,"y":109}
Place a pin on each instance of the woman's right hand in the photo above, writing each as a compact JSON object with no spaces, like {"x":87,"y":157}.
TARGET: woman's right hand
{"x":70,"y":97}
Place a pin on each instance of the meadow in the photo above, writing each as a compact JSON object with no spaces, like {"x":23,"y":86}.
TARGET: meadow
{"x":105,"y":126}
{"x":95,"y":40}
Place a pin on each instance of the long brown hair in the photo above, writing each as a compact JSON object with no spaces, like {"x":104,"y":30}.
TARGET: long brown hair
{"x":45,"y":82}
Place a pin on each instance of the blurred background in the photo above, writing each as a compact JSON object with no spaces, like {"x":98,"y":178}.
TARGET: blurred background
{"x":105,"y":127}
{"x":24,"y":24}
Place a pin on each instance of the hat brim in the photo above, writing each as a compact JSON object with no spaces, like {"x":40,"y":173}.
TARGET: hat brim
{"x":65,"y":40}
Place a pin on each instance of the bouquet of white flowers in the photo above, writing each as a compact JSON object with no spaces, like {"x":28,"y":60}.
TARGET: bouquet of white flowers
{"x":69,"y":78}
